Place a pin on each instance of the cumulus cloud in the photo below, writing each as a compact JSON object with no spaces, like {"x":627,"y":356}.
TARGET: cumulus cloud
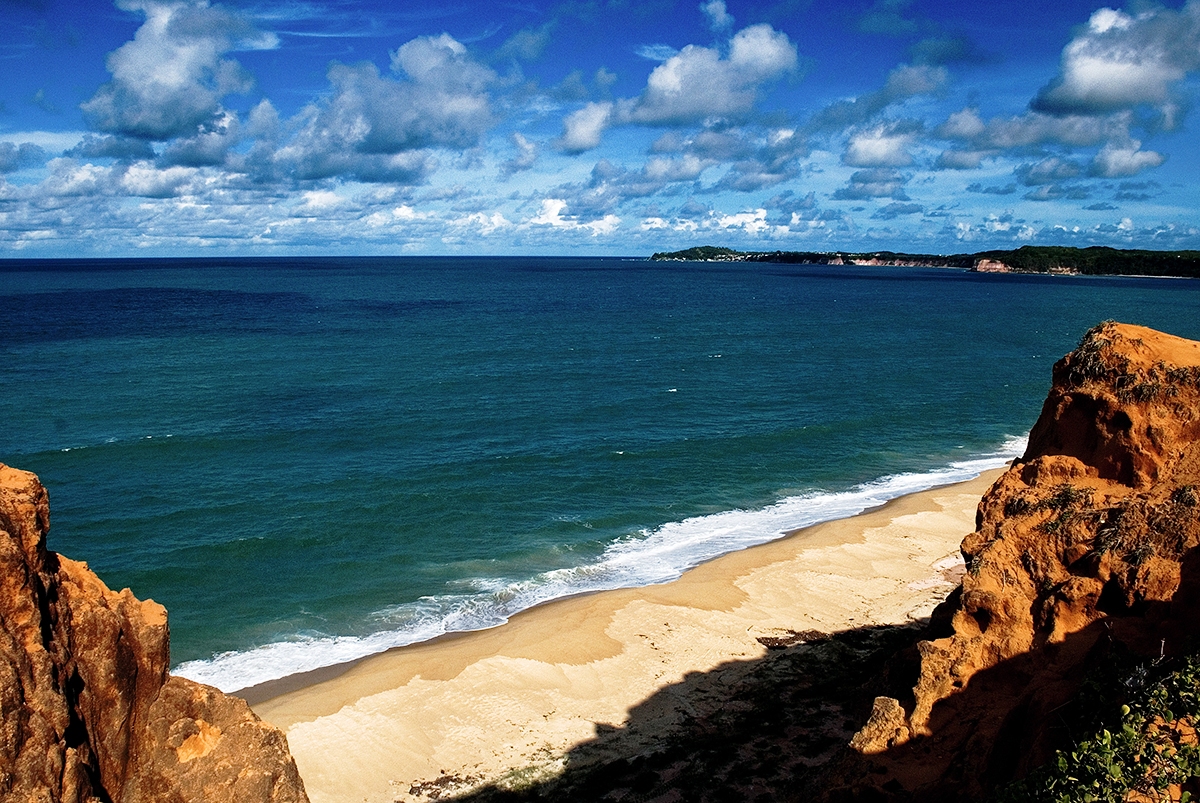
{"x":904,"y":82}
{"x":694,"y":85}
{"x":894,"y":210}
{"x":1121,"y":161}
{"x":208,"y":147}
{"x":698,"y":83}
{"x":583,"y":128}
{"x":752,"y":222}
{"x":654,"y":176}
{"x":13,"y":157}
{"x":1006,"y":189}
{"x":960,"y":159}
{"x":170,"y":79}
{"x":879,"y":182}
{"x":718,"y":17}
{"x":146,"y":180}
{"x":553,"y":213}
{"x":1031,"y":129}
{"x":375,"y":128}
{"x":611,"y":185}
{"x":111,"y":147}
{"x":757,"y":159}
{"x":1047,"y":171}
{"x":527,"y":154}
{"x":881,"y":146}
{"x":1053,"y":192}
{"x":1119,"y":61}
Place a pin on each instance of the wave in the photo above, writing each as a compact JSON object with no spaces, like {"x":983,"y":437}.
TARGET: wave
{"x":646,"y":558}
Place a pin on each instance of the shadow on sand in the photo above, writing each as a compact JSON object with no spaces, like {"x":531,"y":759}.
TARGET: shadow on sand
{"x":760,"y":730}
{"x":777,"y":728}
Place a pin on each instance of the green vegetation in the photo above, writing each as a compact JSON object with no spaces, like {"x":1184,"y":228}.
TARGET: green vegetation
{"x":701,"y":253}
{"x":1096,"y":260}
{"x":1139,"y":718}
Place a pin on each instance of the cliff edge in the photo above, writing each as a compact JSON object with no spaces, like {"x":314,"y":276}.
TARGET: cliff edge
{"x":1084,"y":550}
{"x":88,"y":711}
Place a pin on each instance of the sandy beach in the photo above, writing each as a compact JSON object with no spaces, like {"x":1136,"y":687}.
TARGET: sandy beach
{"x":477,"y":708}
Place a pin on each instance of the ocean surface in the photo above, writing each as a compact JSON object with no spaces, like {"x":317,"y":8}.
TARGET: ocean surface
{"x":309,"y":460}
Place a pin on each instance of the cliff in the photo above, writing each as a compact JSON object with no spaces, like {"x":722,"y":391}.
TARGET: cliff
{"x":88,"y":711}
{"x":1084,"y":552}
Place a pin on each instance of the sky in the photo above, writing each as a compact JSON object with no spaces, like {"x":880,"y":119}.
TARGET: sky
{"x":595,"y":127}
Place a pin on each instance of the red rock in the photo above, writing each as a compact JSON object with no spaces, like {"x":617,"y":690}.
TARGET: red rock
{"x":88,"y":711}
{"x":1089,"y":540}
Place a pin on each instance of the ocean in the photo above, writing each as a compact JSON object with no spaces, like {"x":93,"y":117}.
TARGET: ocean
{"x":308,"y":460}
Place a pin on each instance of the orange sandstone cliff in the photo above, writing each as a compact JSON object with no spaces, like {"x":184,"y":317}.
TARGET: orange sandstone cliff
{"x":1087,"y":545}
{"x":88,"y":711}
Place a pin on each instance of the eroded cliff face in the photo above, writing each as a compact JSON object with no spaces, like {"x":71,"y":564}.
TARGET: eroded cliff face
{"x":1086,"y":545}
{"x":88,"y":711}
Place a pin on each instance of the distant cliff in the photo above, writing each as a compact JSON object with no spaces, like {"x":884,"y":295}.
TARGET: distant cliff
{"x":1080,"y":609}
{"x":1097,"y":260}
{"x":88,"y":712}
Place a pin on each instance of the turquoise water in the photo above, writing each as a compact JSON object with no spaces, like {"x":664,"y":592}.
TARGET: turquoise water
{"x":308,"y":460}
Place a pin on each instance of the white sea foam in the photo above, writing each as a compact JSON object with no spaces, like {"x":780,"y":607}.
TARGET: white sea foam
{"x":652,"y":556}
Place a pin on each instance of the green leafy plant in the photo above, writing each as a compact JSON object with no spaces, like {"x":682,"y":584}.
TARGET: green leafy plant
{"x":1143,"y":745}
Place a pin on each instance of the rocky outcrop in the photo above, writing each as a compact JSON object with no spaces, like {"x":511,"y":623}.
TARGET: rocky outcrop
{"x":1085,"y":546}
{"x":88,"y":711}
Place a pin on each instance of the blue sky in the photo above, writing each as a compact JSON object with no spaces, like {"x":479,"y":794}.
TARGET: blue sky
{"x":595,"y":126}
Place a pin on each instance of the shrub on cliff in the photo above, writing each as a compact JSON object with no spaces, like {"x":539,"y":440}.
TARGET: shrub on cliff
{"x":1142,"y":745}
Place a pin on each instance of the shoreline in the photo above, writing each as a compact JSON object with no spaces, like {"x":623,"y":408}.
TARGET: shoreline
{"x":661,"y":555}
{"x":476,"y":705}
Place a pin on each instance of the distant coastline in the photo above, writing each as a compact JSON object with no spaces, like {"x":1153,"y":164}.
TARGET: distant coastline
{"x":1093,"y":261}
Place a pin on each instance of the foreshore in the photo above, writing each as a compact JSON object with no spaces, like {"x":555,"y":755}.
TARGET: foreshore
{"x":471,"y":708}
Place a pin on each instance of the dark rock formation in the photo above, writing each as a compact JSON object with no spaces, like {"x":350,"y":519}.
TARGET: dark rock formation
{"x":1085,"y":546}
{"x":88,"y":711}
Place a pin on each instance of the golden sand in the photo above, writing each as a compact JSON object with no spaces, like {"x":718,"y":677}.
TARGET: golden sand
{"x":477,"y":706}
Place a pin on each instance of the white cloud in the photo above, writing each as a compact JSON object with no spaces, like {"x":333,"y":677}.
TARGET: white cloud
{"x":1120,"y":161}
{"x":1121,"y":61}
{"x":965,"y":125}
{"x":879,"y":147}
{"x":719,"y":18}
{"x":1048,"y":171}
{"x":877,"y":182}
{"x":582,"y":128}
{"x":144,"y":179}
{"x":68,"y":177}
{"x":375,"y":128}
{"x":754,"y":222}
{"x":14,"y":157}
{"x":904,"y":82}
{"x":657,"y":52}
{"x":485,"y":224}
{"x":697,"y":83}
{"x":690,"y":86}
{"x":527,"y":154}
{"x":551,"y":214}
{"x":170,"y":79}
{"x":320,"y":200}
{"x":960,"y":159}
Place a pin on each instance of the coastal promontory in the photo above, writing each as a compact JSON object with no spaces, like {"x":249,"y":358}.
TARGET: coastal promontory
{"x":88,"y":710}
{"x":1069,"y":658}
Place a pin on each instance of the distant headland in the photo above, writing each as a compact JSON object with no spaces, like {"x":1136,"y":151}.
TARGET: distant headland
{"x":1093,"y":261}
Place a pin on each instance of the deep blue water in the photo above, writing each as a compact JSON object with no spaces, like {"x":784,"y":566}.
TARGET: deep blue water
{"x":306,"y":460}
